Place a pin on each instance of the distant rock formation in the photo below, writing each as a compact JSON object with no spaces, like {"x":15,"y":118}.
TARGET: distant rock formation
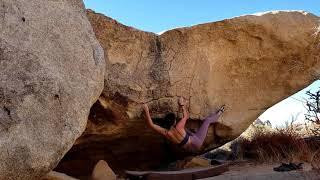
{"x":268,"y":123}
{"x":248,"y":63}
{"x":259,"y":122}
{"x":51,"y":72}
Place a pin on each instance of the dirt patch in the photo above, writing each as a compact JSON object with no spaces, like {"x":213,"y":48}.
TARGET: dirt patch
{"x":249,"y":170}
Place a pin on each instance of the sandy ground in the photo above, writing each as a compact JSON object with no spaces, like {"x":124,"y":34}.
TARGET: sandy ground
{"x":247,"y":171}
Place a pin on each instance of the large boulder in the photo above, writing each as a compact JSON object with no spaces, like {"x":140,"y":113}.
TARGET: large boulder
{"x":51,"y":72}
{"x":248,"y":63}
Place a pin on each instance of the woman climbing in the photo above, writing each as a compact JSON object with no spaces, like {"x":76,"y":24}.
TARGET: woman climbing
{"x":177,"y":133}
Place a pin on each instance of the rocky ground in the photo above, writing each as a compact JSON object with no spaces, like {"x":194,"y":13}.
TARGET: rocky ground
{"x":238,"y":170}
{"x":245,"y":171}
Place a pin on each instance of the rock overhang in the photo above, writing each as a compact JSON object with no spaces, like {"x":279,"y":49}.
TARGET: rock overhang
{"x":248,"y":63}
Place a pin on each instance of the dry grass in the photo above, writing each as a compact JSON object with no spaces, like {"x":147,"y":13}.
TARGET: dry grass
{"x":281,"y":145}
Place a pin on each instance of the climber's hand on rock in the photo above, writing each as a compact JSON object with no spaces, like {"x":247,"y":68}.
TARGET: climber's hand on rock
{"x":182,"y":101}
{"x":145,"y":107}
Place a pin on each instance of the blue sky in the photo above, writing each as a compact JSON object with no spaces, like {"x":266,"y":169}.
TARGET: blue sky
{"x":157,"y":16}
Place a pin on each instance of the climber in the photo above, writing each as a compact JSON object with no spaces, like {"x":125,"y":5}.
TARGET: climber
{"x":177,"y":133}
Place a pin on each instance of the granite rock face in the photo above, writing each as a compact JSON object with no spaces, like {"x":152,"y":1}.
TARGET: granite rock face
{"x":248,"y":63}
{"x":51,"y":72}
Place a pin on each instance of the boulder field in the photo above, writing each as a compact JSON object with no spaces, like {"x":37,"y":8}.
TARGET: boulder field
{"x":249,"y":63}
{"x":51,"y":72}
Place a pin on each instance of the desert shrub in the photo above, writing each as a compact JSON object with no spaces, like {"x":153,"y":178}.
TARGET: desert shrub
{"x":313,"y":114}
{"x":281,"y":145}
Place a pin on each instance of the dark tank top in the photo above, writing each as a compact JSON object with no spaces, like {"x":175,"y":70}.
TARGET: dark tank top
{"x":185,"y":139}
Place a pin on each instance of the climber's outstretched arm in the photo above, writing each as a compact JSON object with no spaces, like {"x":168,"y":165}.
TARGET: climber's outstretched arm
{"x":157,"y":128}
{"x":182,"y":122}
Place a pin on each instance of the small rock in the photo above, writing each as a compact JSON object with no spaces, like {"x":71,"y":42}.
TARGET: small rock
{"x":102,"y":171}
{"x":57,"y":176}
{"x":197,"y":162}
